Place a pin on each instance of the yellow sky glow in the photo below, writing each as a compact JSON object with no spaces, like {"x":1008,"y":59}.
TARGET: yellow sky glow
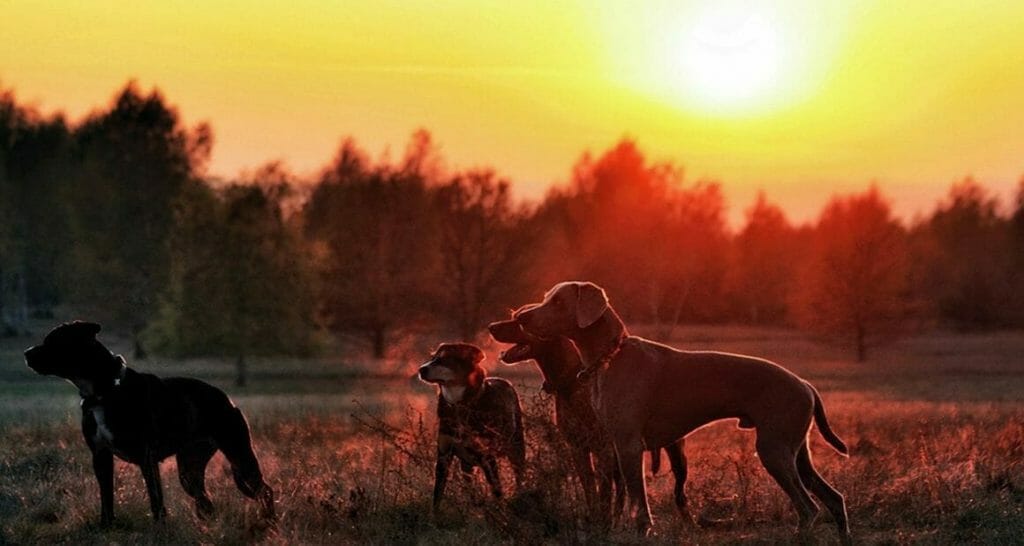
{"x":790,"y":97}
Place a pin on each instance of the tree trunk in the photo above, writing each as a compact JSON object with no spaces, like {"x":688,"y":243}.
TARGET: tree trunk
{"x":241,"y":372}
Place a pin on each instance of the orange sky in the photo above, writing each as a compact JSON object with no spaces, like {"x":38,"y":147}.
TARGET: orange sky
{"x":798,"y":100}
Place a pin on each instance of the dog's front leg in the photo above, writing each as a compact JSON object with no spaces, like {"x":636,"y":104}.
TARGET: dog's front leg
{"x":444,"y":460}
{"x":490,"y":466}
{"x":588,"y":479}
{"x":630,"y":451}
{"x":151,"y":474}
{"x":103,"y":467}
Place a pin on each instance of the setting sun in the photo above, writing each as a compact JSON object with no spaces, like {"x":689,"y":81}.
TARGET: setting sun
{"x":730,"y":58}
{"x":776,"y":95}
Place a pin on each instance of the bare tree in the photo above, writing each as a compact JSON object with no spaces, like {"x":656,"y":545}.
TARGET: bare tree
{"x":855,"y":285}
{"x":634,"y":226}
{"x":764,"y":268}
{"x":969,"y":262}
{"x":373,"y":232}
{"x":485,"y":247}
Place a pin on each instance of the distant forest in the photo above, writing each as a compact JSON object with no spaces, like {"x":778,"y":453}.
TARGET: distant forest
{"x":114,"y":218}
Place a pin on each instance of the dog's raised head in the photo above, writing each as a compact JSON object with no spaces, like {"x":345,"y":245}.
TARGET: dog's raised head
{"x":456,"y":369}
{"x":556,"y":356}
{"x":524,"y":346}
{"x":71,"y":351}
{"x":567,"y":308}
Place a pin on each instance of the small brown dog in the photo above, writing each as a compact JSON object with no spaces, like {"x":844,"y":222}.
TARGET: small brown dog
{"x":479,"y":417}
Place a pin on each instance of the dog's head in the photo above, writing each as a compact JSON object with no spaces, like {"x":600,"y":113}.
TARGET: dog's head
{"x":556,"y":356}
{"x":567,"y":308}
{"x":524,"y":346}
{"x":455,"y":367}
{"x":71,"y":351}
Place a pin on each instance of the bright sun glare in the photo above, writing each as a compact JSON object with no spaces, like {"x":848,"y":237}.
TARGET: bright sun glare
{"x":723,"y":57}
{"x":730,"y":57}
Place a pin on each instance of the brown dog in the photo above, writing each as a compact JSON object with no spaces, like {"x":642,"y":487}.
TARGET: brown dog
{"x":559,"y":363}
{"x":479,"y":418}
{"x":649,"y":394}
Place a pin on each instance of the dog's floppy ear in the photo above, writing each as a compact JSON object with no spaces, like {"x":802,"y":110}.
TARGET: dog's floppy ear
{"x":591,"y":303}
{"x":478,"y":355}
{"x":476,"y":377}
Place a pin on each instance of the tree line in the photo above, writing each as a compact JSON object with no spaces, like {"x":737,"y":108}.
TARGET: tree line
{"x":115,"y":217}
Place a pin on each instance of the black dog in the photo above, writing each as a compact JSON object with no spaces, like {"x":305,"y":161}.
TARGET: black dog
{"x":479,"y":418}
{"x":144,"y":419}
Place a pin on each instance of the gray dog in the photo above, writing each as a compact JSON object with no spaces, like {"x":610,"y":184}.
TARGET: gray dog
{"x":649,"y":394}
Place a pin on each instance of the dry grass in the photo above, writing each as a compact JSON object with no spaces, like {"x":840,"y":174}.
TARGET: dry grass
{"x":935,"y":427}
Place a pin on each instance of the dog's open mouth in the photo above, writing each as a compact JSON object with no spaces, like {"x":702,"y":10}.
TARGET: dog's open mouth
{"x":518,"y":353}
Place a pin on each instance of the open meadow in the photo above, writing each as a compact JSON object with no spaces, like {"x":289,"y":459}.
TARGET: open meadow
{"x":935,"y":425}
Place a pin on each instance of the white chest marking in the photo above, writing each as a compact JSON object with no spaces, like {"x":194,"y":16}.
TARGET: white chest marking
{"x":453,"y":394}
{"x":103,"y":433}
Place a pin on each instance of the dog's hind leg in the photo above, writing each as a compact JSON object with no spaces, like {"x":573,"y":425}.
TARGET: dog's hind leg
{"x":780,"y":462}
{"x":192,"y":463}
{"x":833,"y":499}
{"x":234,"y":441}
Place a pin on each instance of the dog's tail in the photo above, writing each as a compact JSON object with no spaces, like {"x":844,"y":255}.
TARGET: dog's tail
{"x":823,"y":427}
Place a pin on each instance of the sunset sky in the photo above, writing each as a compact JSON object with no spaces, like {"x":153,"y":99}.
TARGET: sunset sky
{"x":789,"y":97}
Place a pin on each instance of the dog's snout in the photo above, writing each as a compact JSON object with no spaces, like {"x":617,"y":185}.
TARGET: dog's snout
{"x":30,"y":352}
{"x":34,"y":358}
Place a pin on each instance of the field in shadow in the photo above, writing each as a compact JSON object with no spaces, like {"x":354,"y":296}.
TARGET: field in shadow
{"x":935,"y":427}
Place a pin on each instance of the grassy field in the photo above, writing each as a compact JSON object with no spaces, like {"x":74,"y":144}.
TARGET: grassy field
{"x":935,"y":424}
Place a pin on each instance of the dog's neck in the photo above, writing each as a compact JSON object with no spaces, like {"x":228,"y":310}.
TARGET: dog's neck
{"x":559,"y":363}
{"x":465,"y":393}
{"x":601,"y":341}
{"x":92,"y":391}
{"x":453,"y":394}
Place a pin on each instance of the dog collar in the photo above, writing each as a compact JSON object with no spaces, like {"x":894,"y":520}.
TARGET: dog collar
{"x":89,"y":400}
{"x":605,"y":360}
{"x":120,"y":373}
{"x":565,"y":385}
